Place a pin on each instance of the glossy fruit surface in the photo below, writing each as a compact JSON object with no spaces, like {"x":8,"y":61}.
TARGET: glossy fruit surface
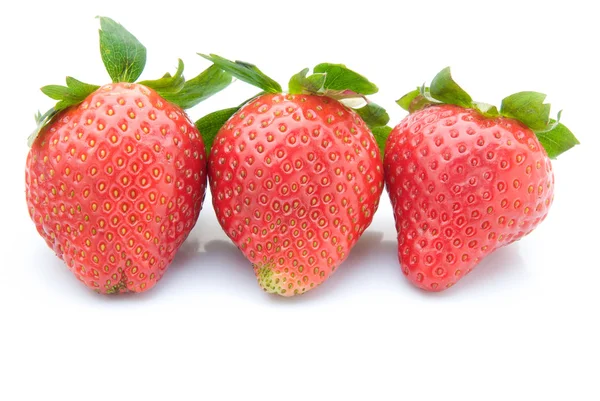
{"x":115,"y":185}
{"x":295,"y":181}
{"x":461,"y":186}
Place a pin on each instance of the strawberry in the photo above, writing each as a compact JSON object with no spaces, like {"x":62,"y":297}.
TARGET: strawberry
{"x":116,"y":175}
{"x":296,"y":178}
{"x":465,"y":179}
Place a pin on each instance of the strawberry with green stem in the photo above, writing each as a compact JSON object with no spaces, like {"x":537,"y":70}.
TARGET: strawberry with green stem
{"x":116,"y":175}
{"x":465,"y":178}
{"x":295,"y":177}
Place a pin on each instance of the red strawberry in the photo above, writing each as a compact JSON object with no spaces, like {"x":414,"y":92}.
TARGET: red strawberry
{"x":295,"y":179}
{"x":115,"y":183}
{"x":465,"y":179}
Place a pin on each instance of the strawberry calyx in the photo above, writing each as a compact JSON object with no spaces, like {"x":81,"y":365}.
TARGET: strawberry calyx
{"x":124,"y":58}
{"x":332,"y":80}
{"x":341,"y":83}
{"x":526,"y":107}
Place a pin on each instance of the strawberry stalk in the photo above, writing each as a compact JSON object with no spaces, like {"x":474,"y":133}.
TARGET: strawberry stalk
{"x":124,"y":58}
{"x":332,"y":80}
{"x":526,"y":107}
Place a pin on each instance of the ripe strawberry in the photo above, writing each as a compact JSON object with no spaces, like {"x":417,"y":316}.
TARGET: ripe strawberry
{"x":295,"y":178}
{"x":465,"y":179}
{"x":116,"y":176}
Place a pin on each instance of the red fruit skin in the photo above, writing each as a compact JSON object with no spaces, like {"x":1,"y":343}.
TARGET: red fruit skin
{"x":115,"y":185}
{"x":462,"y":185}
{"x":295,"y":181}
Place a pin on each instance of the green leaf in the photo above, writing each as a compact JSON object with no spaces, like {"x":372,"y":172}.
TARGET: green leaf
{"x":315,"y":82}
{"x":74,"y":93}
{"x":168,"y":84}
{"x":406,"y":100}
{"x":527,"y":107}
{"x":123,"y":55}
{"x":340,"y":78}
{"x":417,"y":99}
{"x":557,"y":140}
{"x":210,"y":124}
{"x":56,"y":92}
{"x":420,"y":102}
{"x":300,"y":83}
{"x":381,"y":135}
{"x":80,"y":89}
{"x":486,"y":109}
{"x":444,"y":89}
{"x":552,"y":123}
{"x":207,"y":83}
{"x":246,"y":72}
{"x":374,"y":115}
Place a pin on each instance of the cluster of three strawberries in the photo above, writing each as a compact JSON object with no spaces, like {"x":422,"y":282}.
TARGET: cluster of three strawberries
{"x":116,"y":175}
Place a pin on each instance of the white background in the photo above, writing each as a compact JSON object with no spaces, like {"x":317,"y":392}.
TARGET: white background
{"x":523,"y":325}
